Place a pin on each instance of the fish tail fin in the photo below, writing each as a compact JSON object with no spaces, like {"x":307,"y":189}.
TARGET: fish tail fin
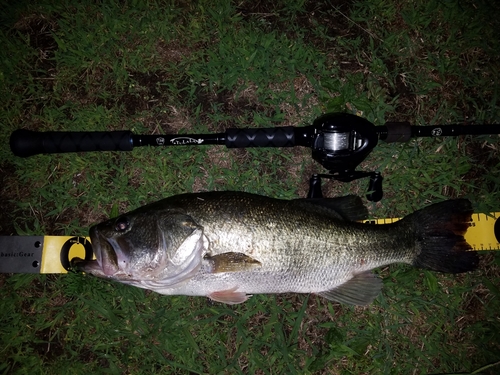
{"x":440,"y":230}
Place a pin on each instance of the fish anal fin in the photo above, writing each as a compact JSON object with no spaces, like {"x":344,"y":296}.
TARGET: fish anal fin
{"x":231,"y":262}
{"x":229,"y":296}
{"x":361,"y":290}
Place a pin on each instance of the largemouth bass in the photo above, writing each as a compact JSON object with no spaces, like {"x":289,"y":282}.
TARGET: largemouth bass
{"x":230,"y":245}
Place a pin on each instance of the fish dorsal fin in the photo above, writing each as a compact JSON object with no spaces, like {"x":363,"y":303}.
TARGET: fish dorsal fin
{"x":231,"y":262}
{"x":350,"y":207}
{"x":361,"y":290}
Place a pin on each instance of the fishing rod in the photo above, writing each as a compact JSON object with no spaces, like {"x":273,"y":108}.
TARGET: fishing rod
{"x":339,"y":142}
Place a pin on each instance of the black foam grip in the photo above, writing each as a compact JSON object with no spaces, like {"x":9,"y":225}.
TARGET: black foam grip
{"x":26,"y":143}
{"x":265,"y":137}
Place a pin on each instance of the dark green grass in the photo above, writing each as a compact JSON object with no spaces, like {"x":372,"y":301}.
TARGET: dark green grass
{"x":196,"y":67}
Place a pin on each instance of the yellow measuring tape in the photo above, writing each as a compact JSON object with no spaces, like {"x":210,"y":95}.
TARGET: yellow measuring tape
{"x":52,"y":254}
{"x":482,"y":235}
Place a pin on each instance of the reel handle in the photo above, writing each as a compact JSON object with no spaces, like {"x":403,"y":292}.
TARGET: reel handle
{"x":375,"y":190}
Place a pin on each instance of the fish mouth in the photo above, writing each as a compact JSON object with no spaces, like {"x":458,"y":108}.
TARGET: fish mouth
{"x":106,"y":262}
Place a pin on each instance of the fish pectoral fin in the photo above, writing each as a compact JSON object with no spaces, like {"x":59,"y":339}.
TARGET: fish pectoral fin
{"x":229,"y":296}
{"x":361,"y":290}
{"x":231,"y":262}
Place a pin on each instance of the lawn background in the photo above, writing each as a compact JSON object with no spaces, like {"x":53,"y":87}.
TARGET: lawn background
{"x":157,"y":67}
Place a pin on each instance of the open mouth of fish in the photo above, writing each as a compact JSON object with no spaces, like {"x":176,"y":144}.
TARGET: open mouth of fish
{"x":108,"y":257}
{"x":113,"y":261}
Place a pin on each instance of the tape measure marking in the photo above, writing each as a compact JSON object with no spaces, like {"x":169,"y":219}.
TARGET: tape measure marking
{"x":496,"y":229}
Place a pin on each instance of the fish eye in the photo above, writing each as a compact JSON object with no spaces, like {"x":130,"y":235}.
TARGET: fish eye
{"x":122,"y":224}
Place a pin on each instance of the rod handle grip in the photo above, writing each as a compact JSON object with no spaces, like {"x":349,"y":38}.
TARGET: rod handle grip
{"x":26,"y":143}
{"x":260,"y":137}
